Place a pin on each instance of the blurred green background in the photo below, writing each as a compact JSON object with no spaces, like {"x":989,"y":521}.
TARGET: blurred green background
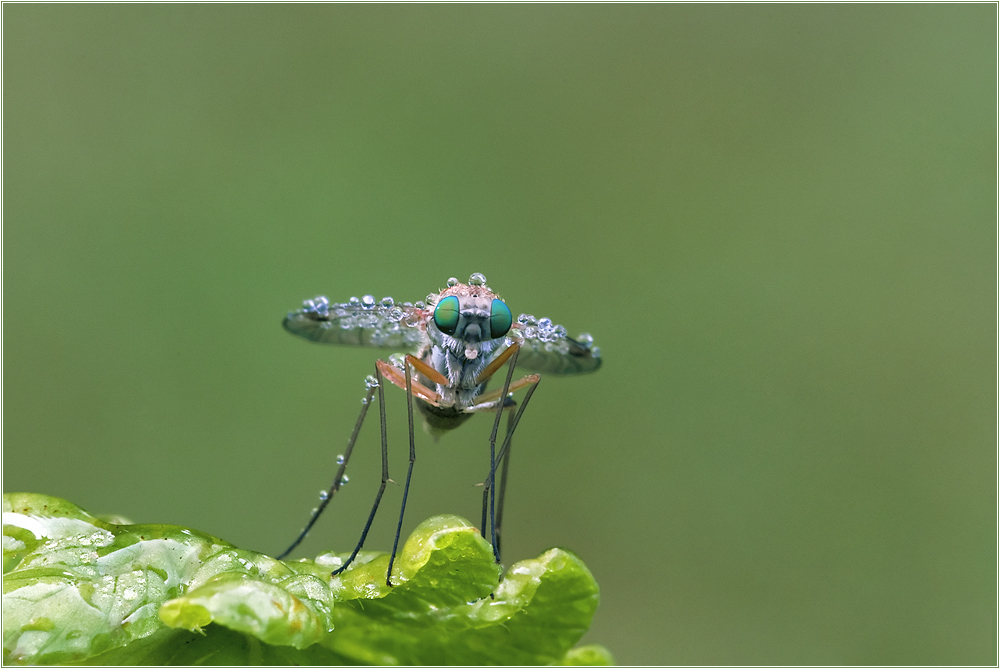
{"x":779,"y":223}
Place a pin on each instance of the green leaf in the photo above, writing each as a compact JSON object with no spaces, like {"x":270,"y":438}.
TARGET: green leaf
{"x":81,"y":590}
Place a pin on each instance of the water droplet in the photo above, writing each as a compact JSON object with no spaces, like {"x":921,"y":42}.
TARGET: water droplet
{"x":544,"y":323}
{"x":420,"y":304}
{"x":371,"y":381}
{"x":560,"y":331}
{"x":340,"y":459}
{"x":395,"y":314}
{"x":526,"y":319}
{"x":431,"y":299}
{"x":477,"y":279}
{"x":324,"y":495}
{"x":387,"y":302}
{"x":354,"y":302}
{"x":313,"y":512}
{"x":344,"y":479}
{"x":397,"y":360}
{"x":452,"y":282}
{"x":585,"y":339}
{"x":595,"y":352}
{"x":364,"y":400}
{"x":367,"y":301}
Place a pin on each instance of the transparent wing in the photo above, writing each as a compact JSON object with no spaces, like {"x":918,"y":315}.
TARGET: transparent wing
{"x":548,"y":350}
{"x":363,"y":322}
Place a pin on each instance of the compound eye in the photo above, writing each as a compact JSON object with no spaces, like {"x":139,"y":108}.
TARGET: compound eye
{"x":446,"y":315}
{"x":500,"y":319}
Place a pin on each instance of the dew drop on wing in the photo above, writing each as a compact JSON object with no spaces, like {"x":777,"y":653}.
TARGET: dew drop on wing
{"x":367,"y":301}
{"x":387,"y":302}
{"x":354,"y":302}
{"x":526,"y":319}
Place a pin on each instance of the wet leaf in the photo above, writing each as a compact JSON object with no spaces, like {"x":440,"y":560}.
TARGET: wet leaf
{"x":81,"y":590}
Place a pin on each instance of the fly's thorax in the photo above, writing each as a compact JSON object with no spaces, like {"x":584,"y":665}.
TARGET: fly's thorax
{"x":460,"y":370}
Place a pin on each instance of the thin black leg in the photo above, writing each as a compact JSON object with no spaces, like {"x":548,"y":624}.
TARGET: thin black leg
{"x":504,"y":450}
{"x":503,"y":474}
{"x":339,"y":478}
{"x":385,"y":475}
{"x":406,"y":488}
{"x":489,"y":487}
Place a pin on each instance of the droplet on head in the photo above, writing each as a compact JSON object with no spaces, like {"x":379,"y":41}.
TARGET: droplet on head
{"x":477,"y":279}
{"x":452,"y":282}
{"x":431,"y":299}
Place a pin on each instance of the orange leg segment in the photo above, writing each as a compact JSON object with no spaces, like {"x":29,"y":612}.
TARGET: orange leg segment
{"x":492,"y":368}
{"x":427,"y":370}
{"x":494,"y":395}
{"x":397,"y":378}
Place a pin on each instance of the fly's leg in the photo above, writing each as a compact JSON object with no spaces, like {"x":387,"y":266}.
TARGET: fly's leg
{"x":409,"y":472}
{"x":508,"y":406}
{"x":413,"y":389}
{"x":503,"y":472}
{"x":385,"y":474}
{"x":533,"y":381}
{"x":488,"y":488}
{"x":338,"y":480}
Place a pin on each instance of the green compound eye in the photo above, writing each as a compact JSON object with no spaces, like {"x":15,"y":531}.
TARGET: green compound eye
{"x":500,"y":319}
{"x":446,"y":315}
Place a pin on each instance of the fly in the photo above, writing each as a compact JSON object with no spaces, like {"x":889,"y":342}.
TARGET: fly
{"x":456,"y":340}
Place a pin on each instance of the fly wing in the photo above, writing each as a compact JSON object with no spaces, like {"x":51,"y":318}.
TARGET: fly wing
{"x":363,"y":322}
{"x":548,"y":350}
